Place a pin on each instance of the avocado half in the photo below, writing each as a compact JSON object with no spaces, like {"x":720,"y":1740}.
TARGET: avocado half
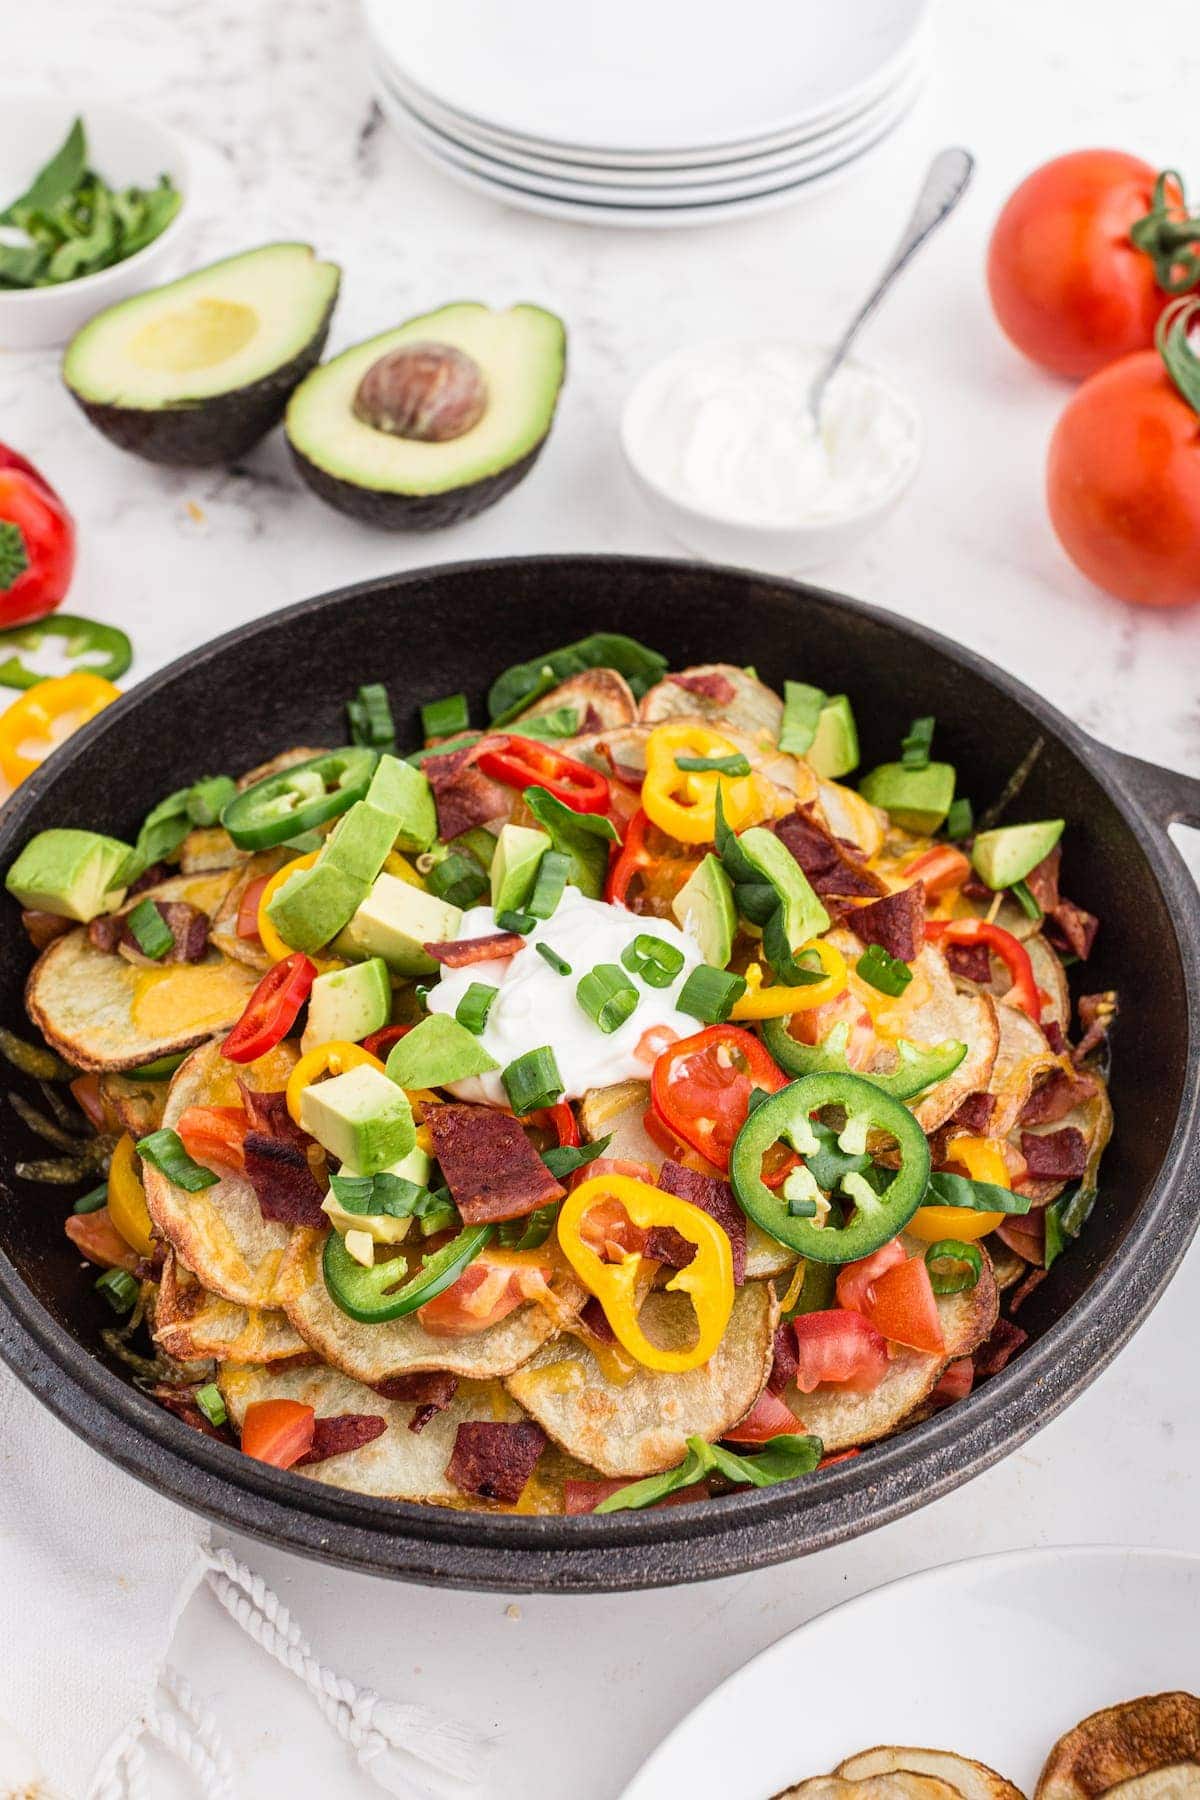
{"x":410,"y":484}
{"x":197,"y":371}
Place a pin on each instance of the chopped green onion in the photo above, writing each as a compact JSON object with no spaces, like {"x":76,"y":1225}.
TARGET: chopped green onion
{"x":886,"y":974}
{"x":150,"y":930}
{"x":118,"y":1287}
{"x":709,"y":994}
{"x":607,"y":996}
{"x":459,"y":878}
{"x":656,"y":961}
{"x":472,"y":1010}
{"x":207,"y":798}
{"x":442,"y":718}
{"x":953,"y":1267}
{"x":93,"y":1200}
{"x":436,"y":1211}
{"x":520,"y":922}
{"x":530,"y":1232}
{"x":1023,"y":895}
{"x":370,"y":716}
{"x":915,"y":748}
{"x":563,"y":1159}
{"x":549,"y":884}
{"x":208,"y":1399}
{"x":558,"y":963}
{"x":737,"y":764}
{"x":801,"y":710}
{"x":960,"y":820}
{"x":532,"y":1081}
{"x":164,"y":1151}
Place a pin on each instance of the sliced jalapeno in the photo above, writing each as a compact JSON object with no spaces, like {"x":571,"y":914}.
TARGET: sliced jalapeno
{"x":919,"y":1068}
{"x":372,"y":1296}
{"x":100,"y":649}
{"x":883,"y":1200}
{"x":294,"y":800}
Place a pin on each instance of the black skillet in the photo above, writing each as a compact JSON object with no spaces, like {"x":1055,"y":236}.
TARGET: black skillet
{"x":284,"y":680}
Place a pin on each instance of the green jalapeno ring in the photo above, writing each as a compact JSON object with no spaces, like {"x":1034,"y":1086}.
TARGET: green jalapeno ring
{"x":84,"y":638}
{"x":786,"y":1114}
{"x":363,"y":1294}
{"x":293,"y":800}
{"x":919,"y":1068}
{"x":953,"y":1266}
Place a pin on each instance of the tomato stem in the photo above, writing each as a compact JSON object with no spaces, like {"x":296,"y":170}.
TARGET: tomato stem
{"x":14,"y":558}
{"x":1170,"y":238}
{"x":1172,"y":340}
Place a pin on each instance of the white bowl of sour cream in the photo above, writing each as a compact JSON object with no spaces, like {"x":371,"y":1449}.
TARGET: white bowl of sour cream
{"x":719,"y":439}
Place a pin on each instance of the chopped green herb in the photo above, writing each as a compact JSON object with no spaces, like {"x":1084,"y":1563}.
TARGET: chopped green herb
{"x":549,"y":885}
{"x":118,"y":1287}
{"x":370,"y":717}
{"x":208,"y":1399}
{"x":887,"y":974}
{"x":781,"y":1458}
{"x":960,"y":820}
{"x":164,"y":1151}
{"x":532,"y":1081}
{"x":915,"y":748}
{"x":558,"y":963}
{"x":709,"y":994}
{"x":475,"y":1005}
{"x":1023,"y":895}
{"x":953,"y":1266}
{"x":520,"y":922}
{"x":93,"y":1200}
{"x":559,"y":722}
{"x":653,"y":959}
{"x":734,"y":765}
{"x":149,"y":929}
{"x":459,"y":878}
{"x":526,"y":682}
{"x":564,"y":1159}
{"x":607,"y":996}
{"x":529,"y":1233}
{"x":582,"y":837}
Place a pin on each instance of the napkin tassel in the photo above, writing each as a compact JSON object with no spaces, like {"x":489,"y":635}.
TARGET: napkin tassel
{"x":192,"y":1737}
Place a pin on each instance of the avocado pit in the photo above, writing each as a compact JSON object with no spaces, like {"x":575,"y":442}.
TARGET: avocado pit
{"x":427,"y":392}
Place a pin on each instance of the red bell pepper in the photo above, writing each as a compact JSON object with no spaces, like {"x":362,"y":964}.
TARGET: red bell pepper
{"x":1012,"y":954}
{"x":271,"y":1009}
{"x":37,"y":543}
{"x":521,"y":763}
{"x":701,"y":1086}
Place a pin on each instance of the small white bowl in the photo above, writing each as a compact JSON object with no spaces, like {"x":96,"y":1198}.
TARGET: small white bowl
{"x":127,"y":149}
{"x":721,"y":536}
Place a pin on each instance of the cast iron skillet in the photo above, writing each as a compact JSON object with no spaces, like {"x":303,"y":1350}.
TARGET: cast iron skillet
{"x":283,"y":680}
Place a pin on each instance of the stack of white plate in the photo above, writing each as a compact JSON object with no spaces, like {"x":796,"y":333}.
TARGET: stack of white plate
{"x":647,"y":112}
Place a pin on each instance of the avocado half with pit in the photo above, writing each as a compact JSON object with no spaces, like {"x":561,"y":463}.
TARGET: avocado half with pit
{"x":199,"y":370}
{"x":432,"y":422}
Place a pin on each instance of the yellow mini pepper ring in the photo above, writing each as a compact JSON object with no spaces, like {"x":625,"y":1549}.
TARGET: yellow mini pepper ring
{"x":33,"y":715}
{"x":682,"y":802}
{"x":780,"y":1001}
{"x":333,"y":1059}
{"x":707,"y":1280}
{"x":127,"y":1198}
{"x":983,"y":1159}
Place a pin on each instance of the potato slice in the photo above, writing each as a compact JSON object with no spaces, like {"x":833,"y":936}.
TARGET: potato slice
{"x":191,"y":1324}
{"x":1121,"y":1743}
{"x":286,"y":759}
{"x":602,"y":698}
{"x":1178,"y":1781}
{"x":899,"y":1784}
{"x":224,"y":926}
{"x":973,"y":1780}
{"x":737,"y":699}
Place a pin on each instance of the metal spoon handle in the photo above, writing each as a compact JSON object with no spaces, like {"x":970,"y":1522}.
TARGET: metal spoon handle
{"x":943,"y":188}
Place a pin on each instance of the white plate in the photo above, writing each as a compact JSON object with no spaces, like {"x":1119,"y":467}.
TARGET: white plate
{"x":630,"y":78}
{"x":994,"y":1658}
{"x":531,"y":198}
{"x":719,"y":180}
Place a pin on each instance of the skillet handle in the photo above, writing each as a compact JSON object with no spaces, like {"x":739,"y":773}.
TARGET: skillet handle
{"x":1167,"y":795}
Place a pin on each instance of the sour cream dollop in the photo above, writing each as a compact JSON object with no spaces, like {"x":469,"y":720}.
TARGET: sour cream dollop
{"x":725,"y":427}
{"x":536,"y":1006}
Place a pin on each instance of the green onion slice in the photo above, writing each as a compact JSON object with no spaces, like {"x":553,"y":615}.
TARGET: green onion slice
{"x":709,"y":994}
{"x":960,"y":820}
{"x":953,"y":1266}
{"x":607,"y":996}
{"x":208,"y":1399}
{"x":150,"y":930}
{"x":532,"y":1081}
{"x":1022,"y":893}
{"x":549,"y":884}
{"x":164,"y":1151}
{"x":475,"y":1005}
{"x":520,"y":922}
{"x":885,"y":973}
{"x":93,"y":1200}
{"x":737,"y":764}
{"x":915,"y":748}
{"x":370,"y":716}
{"x":801,"y":711}
{"x":459,"y":878}
{"x":653,"y":959}
{"x":208,"y":797}
{"x":118,"y":1287}
{"x":558,"y":963}
{"x":442,"y":718}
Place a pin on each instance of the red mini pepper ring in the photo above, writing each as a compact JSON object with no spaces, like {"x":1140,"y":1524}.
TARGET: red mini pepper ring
{"x":271,"y":1009}
{"x":560,"y":1120}
{"x":1012,"y":954}
{"x":634,"y":859}
{"x":700,"y":1087}
{"x":380,"y":1042}
{"x":521,"y":763}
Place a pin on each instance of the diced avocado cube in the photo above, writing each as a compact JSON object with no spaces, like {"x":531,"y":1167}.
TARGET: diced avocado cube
{"x":704,"y":907}
{"x":346,"y":1005}
{"x":802,"y":914}
{"x":360,"y":841}
{"x":834,"y":750}
{"x":313,"y":904}
{"x":437,"y":1051}
{"x":69,"y":873}
{"x":403,"y":791}
{"x":396,"y":921}
{"x":519,"y":850}
{"x":915,"y":799}
{"x":360,"y":1117}
{"x":381,"y":1227}
{"x":1011,"y":852}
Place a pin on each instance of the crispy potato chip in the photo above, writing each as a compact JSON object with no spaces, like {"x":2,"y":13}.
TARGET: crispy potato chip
{"x":842,"y":1418}
{"x":398,"y":1465}
{"x":1094,"y":1118}
{"x":973,"y":1780}
{"x":1022,"y":1057}
{"x":101,"y":1011}
{"x":286,"y":759}
{"x":224,"y":926}
{"x":191,"y":1324}
{"x":849,"y":816}
{"x":1121,"y":1743}
{"x":738,"y":699}
{"x":1007,"y":1266}
{"x":400,"y":1346}
{"x":793,"y":780}
{"x":1178,"y":1781}
{"x":136,"y":1105}
{"x":637,"y":1424}
{"x":897,"y":1784}
{"x":220,"y":1233}
{"x":206,"y":848}
{"x":1051,"y":978}
{"x":602,"y":698}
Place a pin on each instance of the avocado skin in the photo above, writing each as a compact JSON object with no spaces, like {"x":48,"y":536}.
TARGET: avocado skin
{"x":218,"y":430}
{"x":414,"y":512}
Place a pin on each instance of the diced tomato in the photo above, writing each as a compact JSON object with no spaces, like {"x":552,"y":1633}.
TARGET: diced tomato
{"x":95,"y":1236}
{"x":278,"y":1432}
{"x":814,"y":1026}
{"x":380,"y":1042}
{"x":903,"y":1306}
{"x":214,"y":1134}
{"x":247,"y":919}
{"x":585,"y":1496}
{"x":621,"y":1165}
{"x":766,"y":1419}
{"x":486,"y":1292}
{"x":838,"y":1456}
{"x":701,"y":1087}
{"x":939,"y":870}
{"x":956,"y":1381}
{"x":86,"y":1091}
{"x":856,"y":1280}
{"x":841,"y":1347}
{"x":653,"y":1042}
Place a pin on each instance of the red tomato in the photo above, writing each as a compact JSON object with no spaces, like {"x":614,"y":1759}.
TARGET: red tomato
{"x":486,"y":1292}
{"x":701,"y":1087}
{"x":381,"y":1041}
{"x":1123,"y":484}
{"x":247,"y":919}
{"x":1068,"y":284}
{"x":956,"y":1381}
{"x":939,"y":870}
{"x":839,"y":1346}
{"x":814,"y":1026}
{"x":585,"y":1496}
{"x":214,"y":1134}
{"x":766,"y":1419}
{"x":856,"y":1280}
{"x":95,"y":1236}
{"x":902,"y":1305}
{"x":86,"y":1092}
{"x":278,"y":1432}
{"x":37,"y":545}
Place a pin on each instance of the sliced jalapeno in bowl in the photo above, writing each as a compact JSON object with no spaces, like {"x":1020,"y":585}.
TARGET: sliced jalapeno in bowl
{"x":883,"y":1199}
{"x":294,"y":800}
{"x":372,"y":1295}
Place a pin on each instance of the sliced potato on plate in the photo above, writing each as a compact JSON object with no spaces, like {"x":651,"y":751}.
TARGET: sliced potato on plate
{"x":1121,"y":1744}
{"x":899,"y":1784}
{"x":973,"y":1780}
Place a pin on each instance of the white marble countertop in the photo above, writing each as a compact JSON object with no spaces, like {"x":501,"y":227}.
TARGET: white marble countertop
{"x":581,"y":1689}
